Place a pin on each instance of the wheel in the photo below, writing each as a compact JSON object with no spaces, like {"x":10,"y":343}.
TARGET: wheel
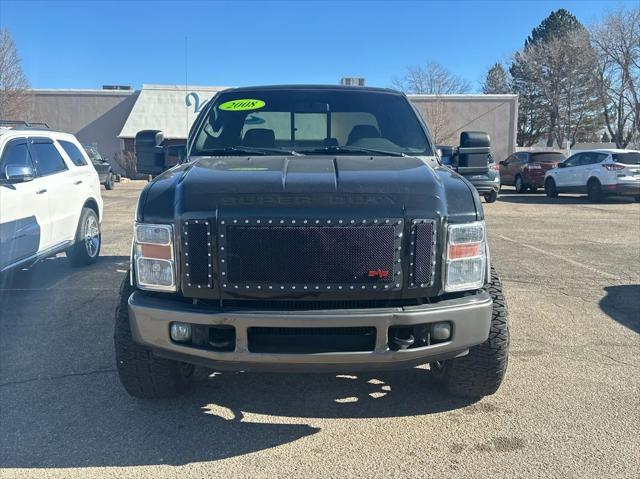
{"x":141,"y":373}
{"x":520,"y":186}
{"x":594,"y":191}
{"x":491,"y":197}
{"x":109,"y":183}
{"x":86,"y":248}
{"x":550,"y":188}
{"x":480,"y":372}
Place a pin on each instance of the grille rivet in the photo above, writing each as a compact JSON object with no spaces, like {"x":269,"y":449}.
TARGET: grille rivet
{"x":222,"y":247}
{"x":258,"y":221}
{"x":293,"y":222}
{"x":224,"y":285}
{"x":199,"y":286}
{"x":222,"y":222}
{"x":246,"y":221}
{"x":224,"y":274}
{"x":187,"y":275}
{"x":317,"y":221}
{"x":281,"y":287}
{"x":235,"y":221}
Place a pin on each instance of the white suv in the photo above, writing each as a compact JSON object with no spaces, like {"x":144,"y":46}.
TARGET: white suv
{"x":49,"y":198}
{"x":597,"y":173}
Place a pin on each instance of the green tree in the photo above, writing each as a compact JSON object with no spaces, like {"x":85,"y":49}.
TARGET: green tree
{"x":553,"y":75}
{"x":496,"y":81}
{"x":556,"y":25}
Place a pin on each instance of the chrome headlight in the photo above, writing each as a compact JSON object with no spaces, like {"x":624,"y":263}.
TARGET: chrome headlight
{"x":466,"y":257}
{"x":153,"y":256}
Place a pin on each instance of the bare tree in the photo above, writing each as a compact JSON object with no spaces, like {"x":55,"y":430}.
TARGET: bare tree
{"x":13,"y":82}
{"x":616,"y":41}
{"x":432,"y":79}
{"x":558,"y":77}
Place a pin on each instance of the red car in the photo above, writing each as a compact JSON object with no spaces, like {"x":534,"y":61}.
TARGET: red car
{"x":526,"y":169}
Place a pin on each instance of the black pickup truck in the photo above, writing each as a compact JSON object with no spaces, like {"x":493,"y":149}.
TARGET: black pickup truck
{"x":309,"y":228}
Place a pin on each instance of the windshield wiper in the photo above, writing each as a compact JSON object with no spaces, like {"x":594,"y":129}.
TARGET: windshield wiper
{"x":352,"y":149}
{"x":246,"y":150}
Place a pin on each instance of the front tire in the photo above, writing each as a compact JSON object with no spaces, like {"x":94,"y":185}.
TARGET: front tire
{"x":550,"y":188}
{"x":480,"y":373}
{"x":141,"y":373}
{"x":491,"y":197}
{"x":520,"y":186}
{"x":109,"y":183}
{"x":88,"y":240}
{"x":594,"y":191}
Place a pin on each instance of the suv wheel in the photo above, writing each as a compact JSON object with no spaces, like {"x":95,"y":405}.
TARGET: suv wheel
{"x":141,"y":373}
{"x":550,"y":188}
{"x":491,"y":197}
{"x":109,"y":183}
{"x":480,"y":372}
{"x":86,"y":249}
{"x":594,"y":190}
{"x":520,"y":186}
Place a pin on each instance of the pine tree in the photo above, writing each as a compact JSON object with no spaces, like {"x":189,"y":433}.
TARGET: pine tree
{"x":496,"y":81}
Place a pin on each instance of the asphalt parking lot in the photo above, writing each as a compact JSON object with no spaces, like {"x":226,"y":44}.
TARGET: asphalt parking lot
{"x":569,"y":406}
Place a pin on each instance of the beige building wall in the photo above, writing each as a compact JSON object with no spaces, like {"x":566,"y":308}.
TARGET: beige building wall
{"x":93,"y":116}
{"x":449,"y":115}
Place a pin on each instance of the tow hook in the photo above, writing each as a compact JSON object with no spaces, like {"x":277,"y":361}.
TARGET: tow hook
{"x":403,"y":343}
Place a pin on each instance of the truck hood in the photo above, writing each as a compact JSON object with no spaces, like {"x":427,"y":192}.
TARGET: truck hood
{"x":281,"y":185}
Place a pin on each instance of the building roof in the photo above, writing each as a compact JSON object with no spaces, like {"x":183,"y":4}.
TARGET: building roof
{"x":169,"y":108}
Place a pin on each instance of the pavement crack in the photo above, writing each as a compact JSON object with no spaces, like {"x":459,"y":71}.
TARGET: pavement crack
{"x":61,"y":376}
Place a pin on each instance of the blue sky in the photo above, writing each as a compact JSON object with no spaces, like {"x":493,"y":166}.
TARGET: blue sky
{"x":85,"y":44}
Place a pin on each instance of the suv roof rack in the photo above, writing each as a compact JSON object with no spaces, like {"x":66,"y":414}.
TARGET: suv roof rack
{"x":24,"y":124}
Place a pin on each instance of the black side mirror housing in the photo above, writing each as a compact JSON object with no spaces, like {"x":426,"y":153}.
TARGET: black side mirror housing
{"x":473,"y":153}
{"x":150,"y":157}
{"x":561,"y":165}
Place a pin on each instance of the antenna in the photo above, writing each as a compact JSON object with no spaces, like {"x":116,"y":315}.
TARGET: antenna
{"x":186,"y":82}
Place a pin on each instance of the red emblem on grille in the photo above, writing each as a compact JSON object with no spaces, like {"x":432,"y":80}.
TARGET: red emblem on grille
{"x":378,"y":273}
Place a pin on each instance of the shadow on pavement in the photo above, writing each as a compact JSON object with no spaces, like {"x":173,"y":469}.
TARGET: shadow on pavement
{"x":90,"y":422}
{"x":542,"y":199}
{"x":622,"y":304}
{"x":56,"y":272}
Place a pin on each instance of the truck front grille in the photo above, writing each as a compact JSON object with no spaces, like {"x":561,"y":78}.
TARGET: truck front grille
{"x":336,"y":255}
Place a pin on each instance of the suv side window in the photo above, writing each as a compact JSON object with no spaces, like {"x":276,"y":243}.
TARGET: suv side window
{"x":47,"y":158}
{"x":73,"y":152}
{"x":574,"y":160}
{"x":521,"y":157}
{"x":16,"y":153}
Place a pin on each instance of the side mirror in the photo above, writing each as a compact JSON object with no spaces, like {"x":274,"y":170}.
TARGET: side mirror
{"x":562,"y":165}
{"x":150,"y":158}
{"x":19,"y":174}
{"x":504,"y":163}
{"x":439,"y":152}
{"x":474,"y":151}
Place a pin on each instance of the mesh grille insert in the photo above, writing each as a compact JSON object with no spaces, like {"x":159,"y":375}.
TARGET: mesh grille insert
{"x":312,"y":255}
{"x":423,"y":239}
{"x":196,"y":246}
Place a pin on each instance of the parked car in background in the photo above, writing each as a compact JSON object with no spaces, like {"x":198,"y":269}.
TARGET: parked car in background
{"x":598,"y":173}
{"x":49,"y":198}
{"x":102,"y":166}
{"x":485,"y":180}
{"x":526,"y":169}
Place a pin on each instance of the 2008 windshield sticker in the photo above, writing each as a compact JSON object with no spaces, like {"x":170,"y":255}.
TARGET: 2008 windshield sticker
{"x":242,"y":104}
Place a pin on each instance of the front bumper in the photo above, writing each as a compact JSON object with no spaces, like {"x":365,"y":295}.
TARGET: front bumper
{"x":470,"y":317}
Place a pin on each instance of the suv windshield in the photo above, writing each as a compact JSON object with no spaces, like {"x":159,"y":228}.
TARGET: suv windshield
{"x":631,"y":158}
{"x":313,"y":121}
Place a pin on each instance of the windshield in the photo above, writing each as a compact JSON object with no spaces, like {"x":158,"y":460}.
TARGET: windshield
{"x":310,"y":122}
{"x":631,"y":158}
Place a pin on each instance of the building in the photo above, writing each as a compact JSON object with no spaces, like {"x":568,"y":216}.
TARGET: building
{"x":110,"y":118}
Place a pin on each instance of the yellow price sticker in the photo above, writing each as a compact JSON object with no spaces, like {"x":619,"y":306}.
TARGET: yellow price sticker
{"x":241,"y":105}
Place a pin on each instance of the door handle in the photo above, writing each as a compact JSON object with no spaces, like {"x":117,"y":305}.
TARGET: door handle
{"x":39,"y":192}
{"x":77,"y":182}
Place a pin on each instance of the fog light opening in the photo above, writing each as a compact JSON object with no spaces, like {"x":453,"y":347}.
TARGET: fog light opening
{"x":180,"y":332}
{"x":441,"y":331}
